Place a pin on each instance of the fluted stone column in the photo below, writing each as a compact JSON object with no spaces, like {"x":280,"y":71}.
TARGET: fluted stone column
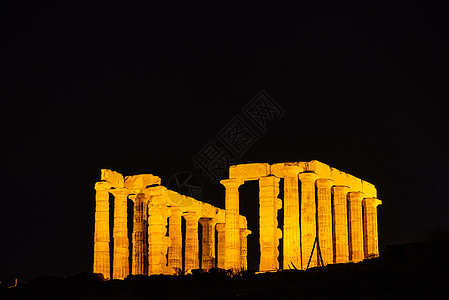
{"x":192,"y":243}
{"x":370,"y":236}
{"x":244,"y":247}
{"x":232,"y":229}
{"x":139,"y":237}
{"x":355,"y":226}
{"x":158,"y":242}
{"x":208,"y":243}
{"x":221,"y":245}
{"x":269,"y":231}
{"x":101,"y":239}
{"x":120,"y":268}
{"x":175,"y":234}
{"x":292,"y":233}
{"x":324,"y":215}
{"x":308,"y":219}
{"x":340,"y":219}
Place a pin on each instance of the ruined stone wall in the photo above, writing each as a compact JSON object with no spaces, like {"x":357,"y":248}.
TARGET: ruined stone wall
{"x":323,"y":207}
{"x":156,"y":250}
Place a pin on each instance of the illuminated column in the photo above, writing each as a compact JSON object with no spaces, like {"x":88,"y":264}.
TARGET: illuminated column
{"x":292,"y":233}
{"x":101,"y":239}
{"x":324,"y":215}
{"x":269,"y":232}
{"x":370,"y":230}
{"x":192,"y":247}
{"x":232,"y":229}
{"x":120,"y":268}
{"x":355,"y":226}
{"x":308,"y":219}
{"x":208,"y":243}
{"x":340,"y":219}
{"x":221,"y":245}
{"x":175,"y":234}
{"x":140,"y":251}
{"x":244,"y":245}
{"x":158,"y":242}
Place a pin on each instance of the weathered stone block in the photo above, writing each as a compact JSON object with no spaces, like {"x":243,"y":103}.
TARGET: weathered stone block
{"x":115,"y":178}
{"x":141,"y":181}
{"x":249,"y":171}
{"x":283,"y":170}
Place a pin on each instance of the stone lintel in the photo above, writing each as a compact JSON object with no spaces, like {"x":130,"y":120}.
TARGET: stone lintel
{"x":356,"y":196}
{"x":371,"y":201}
{"x":249,"y":171}
{"x":141,"y":181}
{"x":283,"y":170}
{"x":119,"y":192}
{"x":103,"y":185}
{"x":308,"y":176}
{"x":324,"y":183}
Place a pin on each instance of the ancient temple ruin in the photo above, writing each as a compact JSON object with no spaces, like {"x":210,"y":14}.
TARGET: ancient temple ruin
{"x":321,"y":204}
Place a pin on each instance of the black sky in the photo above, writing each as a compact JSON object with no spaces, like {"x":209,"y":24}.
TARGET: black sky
{"x":142,"y":88}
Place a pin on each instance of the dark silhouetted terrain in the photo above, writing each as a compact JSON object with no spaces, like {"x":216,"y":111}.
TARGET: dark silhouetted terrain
{"x":417,"y":270}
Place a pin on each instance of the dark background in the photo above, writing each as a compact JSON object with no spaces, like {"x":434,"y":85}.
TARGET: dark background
{"x":142,"y":88}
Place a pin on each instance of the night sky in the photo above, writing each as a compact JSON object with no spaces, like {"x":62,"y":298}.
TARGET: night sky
{"x":143,"y":88}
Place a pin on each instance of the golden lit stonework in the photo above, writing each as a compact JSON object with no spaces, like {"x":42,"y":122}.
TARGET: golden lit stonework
{"x":322,"y":205}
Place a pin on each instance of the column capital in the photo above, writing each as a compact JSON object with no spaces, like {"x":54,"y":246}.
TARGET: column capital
{"x":374,"y":202}
{"x":134,"y":191}
{"x":270,"y":179}
{"x":308,"y":176}
{"x":243,"y":222}
{"x":140,"y":196}
{"x":324,"y":182}
{"x":221,"y":227}
{"x":207,"y":221}
{"x":175,"y":210}
{"x":191,"y":216}
{"x":102,"y":186}
{"x":119,"y":192}
{"x":232,"y":182}
{"x":245,"y":232}
{"x":340,"y":189}
{"x":154,"y":190}
{"x":355,"y":196}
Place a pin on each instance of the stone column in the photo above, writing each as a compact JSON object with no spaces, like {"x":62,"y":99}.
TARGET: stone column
{"x":101,"y":239}
{"x":340,"y":219}
{"x":208,"y":243}
{"x":232,"y":229}
{"x":292,"y":233}
{"x":324,"y":216}
{"x":244,"y":247}
{"x":120,"y":268}
{"x":269,"y":231}
{"x":192,"y":246}
{"x":308,"y":218}
{"x":139,"y":237}
{"x":175,"y":234}
{"x":370,"y":236}
{"x":221,"y":245}
{"x":158,"y":242}
{"x":355,"y":226}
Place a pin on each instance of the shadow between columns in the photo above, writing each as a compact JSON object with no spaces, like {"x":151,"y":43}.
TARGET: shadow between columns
{"x":249,"y":207}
